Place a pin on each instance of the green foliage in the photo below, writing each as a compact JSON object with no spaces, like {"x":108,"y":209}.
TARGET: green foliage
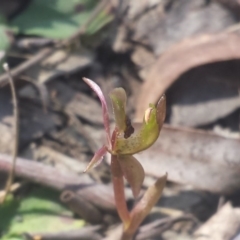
{"x":40,"y":211}
{"x":59,"y":19}
{"x":100,"y":21}
{"x":5,"y":39}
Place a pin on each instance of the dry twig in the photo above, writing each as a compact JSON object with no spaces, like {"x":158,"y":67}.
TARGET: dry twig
{"x":159,"y":226}
{"x":98,"y":194}
{"x":13,"y":188}
{"x":41,"y":88}
{"x":15,"y":130}
{"x":90,"y":141}
{"x":86,"y":233}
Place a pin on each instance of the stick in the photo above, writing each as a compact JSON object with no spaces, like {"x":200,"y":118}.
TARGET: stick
{"x":85,"y":233}
{"x":25,"y":65}
{"x":89,"y":212}
{"x":99,"y":195}
{"x":15,"y":132}
{"x":47,"y":51}
{"x":159,"y":226}
{"x":41,"y":88}
{"x":13,"y":188}
{"x":90,"y":141}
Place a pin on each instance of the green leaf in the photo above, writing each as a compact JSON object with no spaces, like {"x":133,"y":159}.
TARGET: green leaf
{"x":59,"y":19}
{"x":8,"y":210}
{"x":5,"y":40}
{"x":5,"y":32}
{"x":40,"y":211}
{"x":99,"y":22}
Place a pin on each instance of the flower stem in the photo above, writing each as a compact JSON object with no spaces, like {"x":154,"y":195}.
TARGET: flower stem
{"x":127,"y":236}
{"x":118,"y":188}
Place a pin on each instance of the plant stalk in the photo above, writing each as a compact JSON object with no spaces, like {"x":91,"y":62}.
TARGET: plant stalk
{"x":118,"y":188}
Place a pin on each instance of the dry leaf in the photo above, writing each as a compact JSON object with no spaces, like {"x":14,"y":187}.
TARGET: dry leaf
{"x":99,"y":195}
{"x":234,"y":5}
{"x":180,"y":58}
{"x":60,"y":63}
{"x":136,"y":8}
{"x":205,"y":94}
{"x":221,"y":226}
{"x":76,"y":102}
{"x":203,"y":160}
{"x":61,"y":161}
{"x":172,"y":21}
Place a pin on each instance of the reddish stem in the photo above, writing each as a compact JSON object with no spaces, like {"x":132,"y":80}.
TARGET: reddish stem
{"x":118,"y":188}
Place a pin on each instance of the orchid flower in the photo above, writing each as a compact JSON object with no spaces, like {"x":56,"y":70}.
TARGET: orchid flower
{"x":122,"y":144}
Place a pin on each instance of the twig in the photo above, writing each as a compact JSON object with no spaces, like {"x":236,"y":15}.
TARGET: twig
{"x":25,"y":65}
{"x":13,"y":188}
{"x":99,"y":195}
{"x":47,"y":51}
{"x":88,"y":211}
{"x":159,"y":226}
{"x":153,"y":229}
{"x":15,"y":132}
{"x":90,"y":141}
{"x":85,"y":233}
{"x":42,"y":89}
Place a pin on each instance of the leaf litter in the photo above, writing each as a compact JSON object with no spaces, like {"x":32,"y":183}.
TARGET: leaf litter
{"x":174,"y":48}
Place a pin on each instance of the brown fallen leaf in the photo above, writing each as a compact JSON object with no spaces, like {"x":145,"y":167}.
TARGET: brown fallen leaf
{"x":194,"y":99}
{"x":34,"y":123}
{"x":60,"y":63}
{"x":221,"y":226}
{"x":100,"y":195}
{"x":60,"y":161}
{"x":204,"y":160}
{"x":84,"y":233}
{"x":136,"y":8}
{"x":144,"y":59}
{"x":153,"y":229}
{"x":234,"y":5}
{"x":76,"y":102}
{"x":180,"y":58}
{"x":169,"y":22}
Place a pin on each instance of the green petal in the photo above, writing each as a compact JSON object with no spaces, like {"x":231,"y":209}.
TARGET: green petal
{"x":119,"y":99}
{"x":148,"y":133}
